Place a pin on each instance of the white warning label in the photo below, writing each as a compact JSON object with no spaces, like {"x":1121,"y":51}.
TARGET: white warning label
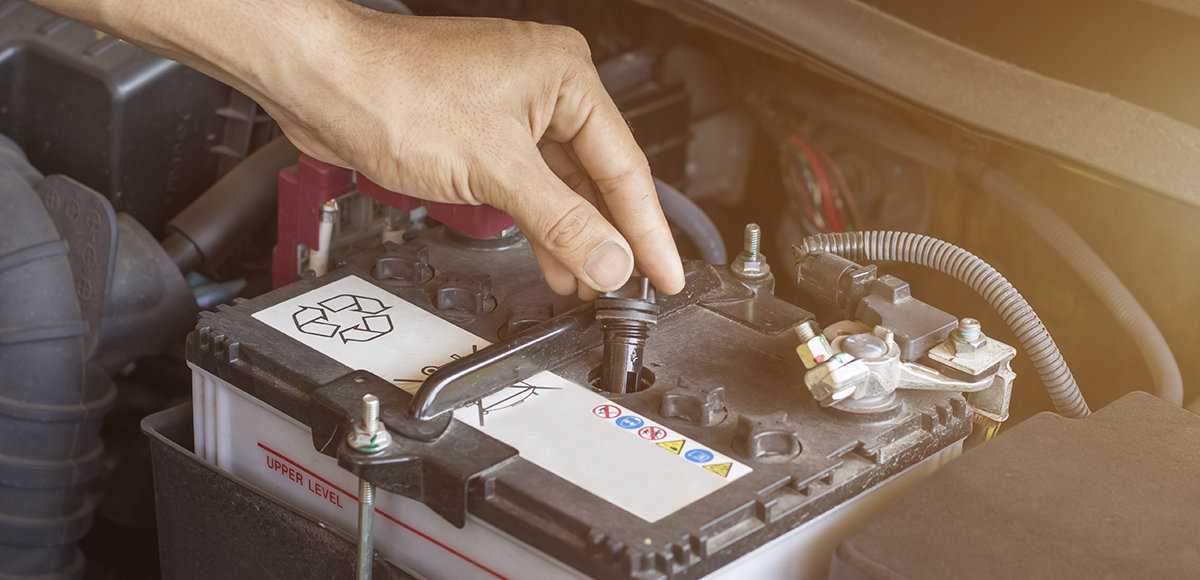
{"x":620,"y":456}
{"x":686,"y":449}
{"x":567,"y":429}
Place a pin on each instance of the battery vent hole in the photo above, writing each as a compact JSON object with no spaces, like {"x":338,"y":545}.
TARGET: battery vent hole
{"x":647,"y":379}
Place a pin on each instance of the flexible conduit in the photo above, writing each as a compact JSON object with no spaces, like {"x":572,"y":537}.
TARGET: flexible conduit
{"x":1079,"y":256}
{"x":980,"y":276}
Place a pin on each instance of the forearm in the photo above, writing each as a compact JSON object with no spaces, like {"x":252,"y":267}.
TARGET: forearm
{"x":254,"y":45}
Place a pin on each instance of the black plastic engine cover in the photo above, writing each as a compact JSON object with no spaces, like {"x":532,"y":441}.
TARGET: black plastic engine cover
{"x":134,"y":126}
{"x":1110,"y":496}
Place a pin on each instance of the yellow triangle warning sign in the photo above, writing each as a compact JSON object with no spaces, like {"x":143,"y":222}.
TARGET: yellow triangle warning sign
{"x":721,"y":469}
{"x":672,"y":446}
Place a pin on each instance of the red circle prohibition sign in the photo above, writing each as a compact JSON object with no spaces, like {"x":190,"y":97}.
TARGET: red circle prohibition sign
{"x":607,"y":411}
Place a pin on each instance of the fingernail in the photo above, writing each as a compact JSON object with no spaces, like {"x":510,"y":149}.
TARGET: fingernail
{"x":609,"y":266}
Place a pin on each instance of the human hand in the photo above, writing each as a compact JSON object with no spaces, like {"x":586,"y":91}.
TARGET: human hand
{"x":454,"y":110}
{"x":458,"y":110}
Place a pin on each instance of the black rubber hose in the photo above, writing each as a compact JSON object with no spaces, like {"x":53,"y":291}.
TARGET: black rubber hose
{"x":1079,"y":256}
{"x":1147,"y":338}
{"x":683,"y":213}
{"x":980,"y":276}
{"x":208,"y":232}
{"x":51,"y":402}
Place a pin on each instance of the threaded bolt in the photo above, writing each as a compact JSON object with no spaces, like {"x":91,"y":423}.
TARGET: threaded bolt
{"x":370,"y":436}
{"x":806,"y":331}
{"x":366,"y":493}
{"x":366,"y":530}
{"x":752,"y":242}
{"x":969,"y":329}
{"x":370,"y":413}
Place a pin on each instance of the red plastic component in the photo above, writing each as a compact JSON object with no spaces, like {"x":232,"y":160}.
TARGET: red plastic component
{"x":305,"y":188}
{"x":479,"y":221}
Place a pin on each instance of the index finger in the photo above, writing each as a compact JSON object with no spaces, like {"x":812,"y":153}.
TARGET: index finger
{"x":586,"y":118}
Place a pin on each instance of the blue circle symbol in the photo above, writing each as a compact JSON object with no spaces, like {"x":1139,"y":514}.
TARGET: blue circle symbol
{"x":629,"y":422}
{"x":699,"y":456}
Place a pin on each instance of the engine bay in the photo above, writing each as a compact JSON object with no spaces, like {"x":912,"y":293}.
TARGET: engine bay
{"x":202,"y":323}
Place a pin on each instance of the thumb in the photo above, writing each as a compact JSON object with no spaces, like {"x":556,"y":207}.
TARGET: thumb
{"x":567,"y":228}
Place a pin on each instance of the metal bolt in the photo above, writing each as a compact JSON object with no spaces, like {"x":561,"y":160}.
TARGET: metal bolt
{"x":370,"y":412}
{"x":370,"y":436}
{"x":968,"y":338}
{"x":969,"y":329}
{"x":750,"y":264}
{"x":806,"y":331}
{"x":366,"y":528}
{"x":752,"y":242}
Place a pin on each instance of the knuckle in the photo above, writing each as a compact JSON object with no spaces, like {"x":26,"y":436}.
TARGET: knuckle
{"x":568,"y":46}
{"x":576,"y":180}
{"x":572,"y":40}
{"x":569,"y":231}
{"x":630,"y":179}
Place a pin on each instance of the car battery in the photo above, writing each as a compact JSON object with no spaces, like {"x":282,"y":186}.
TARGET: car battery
{"x":721,"y":465}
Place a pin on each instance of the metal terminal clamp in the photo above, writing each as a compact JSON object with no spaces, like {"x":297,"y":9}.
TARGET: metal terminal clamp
{"x":861,"y":368}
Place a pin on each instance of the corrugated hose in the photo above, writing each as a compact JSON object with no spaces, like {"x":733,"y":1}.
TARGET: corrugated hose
{"x":949,"y":259}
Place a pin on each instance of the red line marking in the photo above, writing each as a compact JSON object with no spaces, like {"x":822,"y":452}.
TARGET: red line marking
{"x":439,"y":544}
{"x":305,"y":470}
{"x":385,"y":514}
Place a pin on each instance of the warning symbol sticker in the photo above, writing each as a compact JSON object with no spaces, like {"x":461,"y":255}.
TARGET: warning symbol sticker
{"x":607,"y":411}
{"x":672,"y":446}
{"x":721,"y":469}
{"x":694,"y":453}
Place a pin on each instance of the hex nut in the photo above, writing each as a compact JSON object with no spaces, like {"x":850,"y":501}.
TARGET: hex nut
{"x":963,"y":347}
{"x":750,"y":269}
{"x":367,"y":442}
{"x":814,"y":351}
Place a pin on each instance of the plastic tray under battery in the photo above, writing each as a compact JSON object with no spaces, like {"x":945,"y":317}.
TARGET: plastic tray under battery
{"x":264,"y":448}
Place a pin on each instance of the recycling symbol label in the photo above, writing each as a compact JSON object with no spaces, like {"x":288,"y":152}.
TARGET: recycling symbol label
{"x":350,"y":317}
